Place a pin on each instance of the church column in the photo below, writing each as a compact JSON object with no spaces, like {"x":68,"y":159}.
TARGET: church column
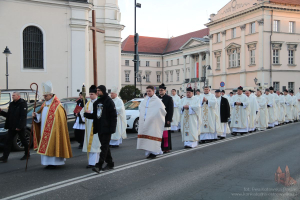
{"x":243,"y":60}
{"x":207,"y":63}
{"x":223,"y":56}
{"x":261,"y":51}
{"x":191,"y":66}
{"x":210,"y":79}
{"x":184,"y":63}
{"x":200,"y":66}
{"x":79,"y":49}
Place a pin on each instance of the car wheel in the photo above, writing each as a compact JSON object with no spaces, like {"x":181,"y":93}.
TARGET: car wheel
{"x":17,"y":144}
{"x":136,"y":125}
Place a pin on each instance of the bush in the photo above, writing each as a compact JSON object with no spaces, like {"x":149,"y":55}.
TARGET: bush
{"x":127,"y":92}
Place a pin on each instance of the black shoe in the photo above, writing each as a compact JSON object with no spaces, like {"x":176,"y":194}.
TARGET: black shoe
{"x":4,"y":160}
{"x":187,"y":147}
{"x":90,"y":166}
{"x":25,"y":157}
{"x":234,"y":134}
{"x":50,"y":167}
{"x":222,"y":138}
{"x":151,"y":156}
{"x":108,"y":167}
{"x":97,"y":169}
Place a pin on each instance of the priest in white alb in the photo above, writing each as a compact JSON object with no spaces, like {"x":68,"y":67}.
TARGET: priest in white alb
{"x":91,"y":143}
{"x":270,"y":104}
{"x":116,"y":138}
{"x":298,"y":101}
{"x":262,"y":118}
{"x":208,"y":107}
{"x":176,"y":112}
{"x":190,"y":119}
{"x":151,"y":124}
{"x":253,"y":110}
{"x":281,"y":108}
{"x":295,"y":106}
{"x":288,"y":107}
{"x":50,"y":130}
{"x":276,"y":102}
{"x":240,"y":113}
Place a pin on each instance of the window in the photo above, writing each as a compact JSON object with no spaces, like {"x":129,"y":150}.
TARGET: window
{"x":291,"y":57}
{"x":275,"y":56}
{"x":147,"y":77}
{"x":70,"y":107}
{"x":178,"y":76}
{"x":234,"y":33}
{"x":219,"y":62}
{"x":158,"y":78}
{"x":252,"y":57}
{"x":276,"y":86}
{"x":158,"y":64}
{"x":126,"y":62}
{"x":167,"y":64}
{"x":252,"y":27}
{"x":167,"y":77}
{"x":5,"y":98}
{"x":126,"y":77}
{"x":171,"y":77}
{"x":219,"y":37}
{"x":147,"y":63}
{"x":33,"y":48}
{"x":276,"y":26}
{"x":171,"y":62}
{"x":292,"y":27}
{"x":291,"y":86}
{"x":234,"y":59}
{"x":177,"y":61}
{"x":138,"y":78}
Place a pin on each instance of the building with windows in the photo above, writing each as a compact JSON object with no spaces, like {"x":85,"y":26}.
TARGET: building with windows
{"x":253,"y":43}
{"x":52,"y":40}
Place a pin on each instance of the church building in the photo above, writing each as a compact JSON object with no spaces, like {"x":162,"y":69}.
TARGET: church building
{"x":52,"y":40}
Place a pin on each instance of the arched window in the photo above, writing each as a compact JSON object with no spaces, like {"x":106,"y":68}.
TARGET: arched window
{"x":33,"y":51}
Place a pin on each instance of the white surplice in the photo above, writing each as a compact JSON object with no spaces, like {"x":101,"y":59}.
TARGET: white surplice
{"x":276,"y":107}
{"x":47,"y":160}
{"x":271,"y":109}
{"x":289,"y":108}
{"x":116,"y":138}
{"x":209,"y":115}
{"x":253,"y":109}
{"x":262,"y":119}
{"x":298,"y":101}
{"x":281,"y":109}
{"x":240,"y":114}
{"x":295,"y":108}
{"x":94,"y":151}
{"x":176,"y":112}
{"x":190,"y":121}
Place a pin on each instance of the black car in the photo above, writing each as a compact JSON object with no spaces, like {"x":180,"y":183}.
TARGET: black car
{"x":17,"y":144}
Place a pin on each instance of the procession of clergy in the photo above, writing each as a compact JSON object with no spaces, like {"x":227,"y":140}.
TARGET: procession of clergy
{"x":200,"y":118}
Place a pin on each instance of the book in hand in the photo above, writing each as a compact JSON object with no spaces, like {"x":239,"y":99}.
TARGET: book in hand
{"x":77,"y":109}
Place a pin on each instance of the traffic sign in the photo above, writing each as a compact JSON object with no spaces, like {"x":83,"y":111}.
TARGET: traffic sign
{"x":222,"y":84}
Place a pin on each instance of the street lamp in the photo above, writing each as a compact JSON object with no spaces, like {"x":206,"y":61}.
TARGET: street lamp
{"x":144,"y":77}
{"x":6,"y":52}
{"x":136,"y":41}
{"x":255,"y":81}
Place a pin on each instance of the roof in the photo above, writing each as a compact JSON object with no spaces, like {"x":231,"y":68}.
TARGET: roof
{"x":154,"y":45}
{"x":290,"y":2}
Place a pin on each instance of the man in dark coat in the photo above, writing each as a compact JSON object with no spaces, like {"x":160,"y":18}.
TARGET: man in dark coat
{"x":166,"y":144}
{"x":105,"y":123}
{"x":79,"y":126}
{"x":16,"y":119}
{"x":224,"y":114}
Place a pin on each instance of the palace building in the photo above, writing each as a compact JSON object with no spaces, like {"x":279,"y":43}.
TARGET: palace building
{"x":252,"y":43}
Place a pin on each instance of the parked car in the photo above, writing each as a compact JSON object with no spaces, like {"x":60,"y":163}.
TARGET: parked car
{"x":73,"y":99}
{"x":132,"y":113}
{"x":6,"y":96}
{"x":69,"y":106}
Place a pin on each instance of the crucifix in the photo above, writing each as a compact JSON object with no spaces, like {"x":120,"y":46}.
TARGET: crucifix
{"x":95,"y":30}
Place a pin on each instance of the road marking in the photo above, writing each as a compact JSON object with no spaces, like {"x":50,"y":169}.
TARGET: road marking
{"x":91,"y":176}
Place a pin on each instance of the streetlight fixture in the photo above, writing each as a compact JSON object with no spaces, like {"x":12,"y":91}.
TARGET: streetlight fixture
{"x":136,"y":41}
{"x":255,"y":81}
{"x":6,"y":52}
{"x":144,"y":77}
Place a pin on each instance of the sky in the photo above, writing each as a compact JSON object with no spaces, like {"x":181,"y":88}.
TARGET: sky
{"x":167,"y":18}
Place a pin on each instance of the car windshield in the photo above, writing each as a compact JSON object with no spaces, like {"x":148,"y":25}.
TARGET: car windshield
{"x":30,"y":109}
{"x":132,"y":105}
{"x":4,"y":98}
{"x":2,"y":119}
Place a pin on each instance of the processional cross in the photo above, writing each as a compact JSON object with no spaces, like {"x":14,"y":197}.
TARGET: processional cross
{"x":95,"y":30}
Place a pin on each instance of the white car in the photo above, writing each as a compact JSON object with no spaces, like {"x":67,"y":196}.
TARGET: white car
{"x":133,"y":113}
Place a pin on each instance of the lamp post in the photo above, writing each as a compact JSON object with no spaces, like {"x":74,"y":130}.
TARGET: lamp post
{"x":6,"y":52}
{"x":144,"y":77}
{"x":255,"y":81}
{"x":136,"y":40}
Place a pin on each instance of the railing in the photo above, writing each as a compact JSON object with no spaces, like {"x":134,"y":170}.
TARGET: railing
{"x":203,"y":79}
{"x":194,"y":80}
{"x":187,"y":80}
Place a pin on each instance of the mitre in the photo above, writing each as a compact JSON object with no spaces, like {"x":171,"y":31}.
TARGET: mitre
{"x":47,"y":88}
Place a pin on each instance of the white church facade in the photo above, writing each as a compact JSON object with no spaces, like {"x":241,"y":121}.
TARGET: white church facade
{"x":52,"y":40}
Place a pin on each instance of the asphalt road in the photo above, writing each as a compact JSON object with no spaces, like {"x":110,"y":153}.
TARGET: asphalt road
{"x":241,"y":167}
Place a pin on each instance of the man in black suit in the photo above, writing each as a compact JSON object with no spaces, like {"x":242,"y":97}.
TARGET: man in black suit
{"x":166,"y":144}
{"x":224,"y":115}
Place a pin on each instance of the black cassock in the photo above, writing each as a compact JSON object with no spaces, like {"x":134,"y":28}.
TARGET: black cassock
{"x":79,"y":134}
{"x":166,"y":143}
{"x":224,"y":110}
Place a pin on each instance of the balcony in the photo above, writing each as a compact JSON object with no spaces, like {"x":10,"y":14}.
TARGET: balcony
{"x":194,"y":80}
{"x":187,"y":80}
{"x":203,"y":79}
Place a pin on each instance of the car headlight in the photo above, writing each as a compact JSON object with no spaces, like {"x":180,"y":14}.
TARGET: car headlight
{"x":128,"y":117}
